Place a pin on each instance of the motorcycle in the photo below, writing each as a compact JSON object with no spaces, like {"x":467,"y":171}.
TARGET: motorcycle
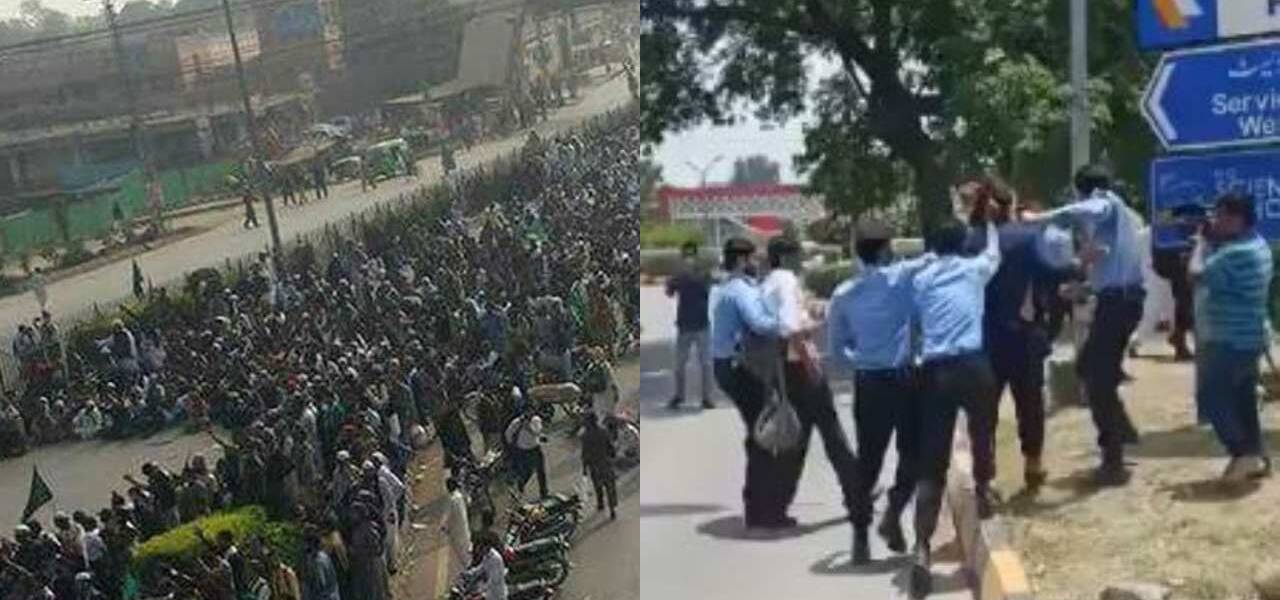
{"x":525,"y":526}
{"x":468,"y":588}
{"x":552,"y":506}
{"x":543,"y":559}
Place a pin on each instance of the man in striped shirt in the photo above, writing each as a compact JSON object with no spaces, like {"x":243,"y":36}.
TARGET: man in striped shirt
{"x":1232,"y":272}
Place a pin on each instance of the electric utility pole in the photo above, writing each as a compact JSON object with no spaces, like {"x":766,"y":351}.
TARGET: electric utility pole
{"x":259,"y":160}
{"x":155,"y":198}
{"x":1080,"y":119}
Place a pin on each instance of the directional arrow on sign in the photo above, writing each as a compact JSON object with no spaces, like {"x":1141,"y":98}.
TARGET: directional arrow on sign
{"x":1217,"y":97}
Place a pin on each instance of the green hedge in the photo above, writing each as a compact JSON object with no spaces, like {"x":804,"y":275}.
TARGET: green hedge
{"x":823,"y":280}
{"x":668,"y":262}
{"x":669,"y":235}
{"x":181,"y":544}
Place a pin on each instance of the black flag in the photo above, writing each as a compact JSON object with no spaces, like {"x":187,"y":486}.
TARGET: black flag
{"x":39,"y":496}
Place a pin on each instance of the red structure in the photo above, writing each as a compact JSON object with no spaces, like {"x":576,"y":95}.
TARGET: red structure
{"x":765,"y":207}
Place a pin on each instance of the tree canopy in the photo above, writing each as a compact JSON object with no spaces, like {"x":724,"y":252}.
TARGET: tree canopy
{"x":926,"y":91}
{"x":756,"y":169}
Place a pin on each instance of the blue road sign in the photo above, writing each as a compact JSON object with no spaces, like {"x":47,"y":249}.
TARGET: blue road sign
{"x":1216,"y":97}
{"x":1183,"y":186}
{"x":1174,"y":23}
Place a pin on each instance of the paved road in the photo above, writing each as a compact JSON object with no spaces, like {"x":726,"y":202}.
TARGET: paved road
{"x":110,"y":283}
{"x":693,"y":543}
{"x":82,"y":475}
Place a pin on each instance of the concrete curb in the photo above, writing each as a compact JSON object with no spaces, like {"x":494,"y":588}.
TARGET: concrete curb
{"x":995,"y":567}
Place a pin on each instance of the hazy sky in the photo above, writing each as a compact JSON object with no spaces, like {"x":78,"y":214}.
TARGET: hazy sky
{"x":9,"y":8}
{"x":702,"y":145}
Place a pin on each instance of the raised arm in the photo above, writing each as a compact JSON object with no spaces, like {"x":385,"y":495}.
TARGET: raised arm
{"x":989,"y":260}
{"x":1091,"y":211}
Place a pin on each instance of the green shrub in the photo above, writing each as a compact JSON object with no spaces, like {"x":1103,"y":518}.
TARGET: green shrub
{"x":668,"y":235}
{"x":668,"y":262}
{"x":76,"y":254}
{"x":822,"y":281}
{"x":181,"y":544}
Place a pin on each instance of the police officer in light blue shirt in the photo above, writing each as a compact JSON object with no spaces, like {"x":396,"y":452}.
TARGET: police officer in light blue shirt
{"x":1115,"y":259}
{"x":949,"y":298}
{"x":739,"y":307}
{"x":869,"y":325}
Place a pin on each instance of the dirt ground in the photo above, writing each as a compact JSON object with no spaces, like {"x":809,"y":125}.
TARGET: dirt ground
{"x":1173,"y":525}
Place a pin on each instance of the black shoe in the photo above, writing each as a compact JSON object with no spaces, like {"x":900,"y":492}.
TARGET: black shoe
{"x":921,"y":577}
{"x":861,"y":548}
{"x":675,"y":403}
{"x":890,"y":530}
{"x":707,"y":405}
{"x":613,"y":515}
{"x":1111,"y":475}
{"x":1035,"y":479}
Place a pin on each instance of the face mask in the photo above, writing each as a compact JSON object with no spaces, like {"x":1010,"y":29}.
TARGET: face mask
{"x":751,"y":271}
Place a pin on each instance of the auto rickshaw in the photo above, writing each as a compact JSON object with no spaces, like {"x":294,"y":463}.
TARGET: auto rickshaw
{"x":390,"y":159}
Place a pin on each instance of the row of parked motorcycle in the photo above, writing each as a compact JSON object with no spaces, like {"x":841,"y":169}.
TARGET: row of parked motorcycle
{"x":536,"y":542}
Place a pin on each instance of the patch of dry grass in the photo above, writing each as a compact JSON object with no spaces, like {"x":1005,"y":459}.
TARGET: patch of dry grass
{"x":1174,"y":524}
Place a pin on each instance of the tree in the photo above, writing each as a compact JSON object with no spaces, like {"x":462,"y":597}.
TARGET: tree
{"x":756,"y":169}
{"x":650,"y":179}
{"x":926,"y":91}
{"x":138,"y":10}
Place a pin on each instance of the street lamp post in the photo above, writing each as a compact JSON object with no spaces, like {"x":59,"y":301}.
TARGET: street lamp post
{"x":702,"y":178}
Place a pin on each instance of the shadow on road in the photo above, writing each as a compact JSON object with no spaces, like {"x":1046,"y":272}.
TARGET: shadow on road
{"x":1209,"y":490}
{"x":955,"y":581}
{"x":1187,"y":442}
{"x":678,"y":510}
{"x":839,"y":563}
{"x":732,"y":527}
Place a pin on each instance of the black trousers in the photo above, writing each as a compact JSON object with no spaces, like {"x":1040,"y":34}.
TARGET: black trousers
{"x":816,"y":408}
{"x":886,"y":405}
{"x":1183,"y":305}
{"x":770,"y":480}
{"x":1017,"y":361}
{"x":529,"y":463}
{"x":605,"y":482}
{"x":1099,"y":365}
{"x":454,"y":438}
{"x":950,"y":384}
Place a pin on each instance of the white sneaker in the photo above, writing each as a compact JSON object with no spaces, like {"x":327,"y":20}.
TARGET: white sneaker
{"x":1259,"y":467}
{"x":1237,"y":470}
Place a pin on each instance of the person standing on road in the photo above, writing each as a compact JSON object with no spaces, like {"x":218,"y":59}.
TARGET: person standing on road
{"x":1115,"y":256}
{"x":740,"y":309}
{"x":806,"y":386}
{"x":948,"y":299}
{"x":40,"y":288}
{"x":319,"y":179}
{"x":1232,"y":273}
{"x":526,"y":436}
{"x":597,"y":463}
{"x":691,"y":287}
{"x":869,"y":330}
{"x":457,"y":528}
{"x":250,"y":215}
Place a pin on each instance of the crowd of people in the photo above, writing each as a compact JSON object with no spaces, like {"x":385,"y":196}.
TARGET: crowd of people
{"x":327,"y":373}
{"x":950,"y":330}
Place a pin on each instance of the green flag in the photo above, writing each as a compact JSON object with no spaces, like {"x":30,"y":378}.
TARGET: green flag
{"x":39,"y":495}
